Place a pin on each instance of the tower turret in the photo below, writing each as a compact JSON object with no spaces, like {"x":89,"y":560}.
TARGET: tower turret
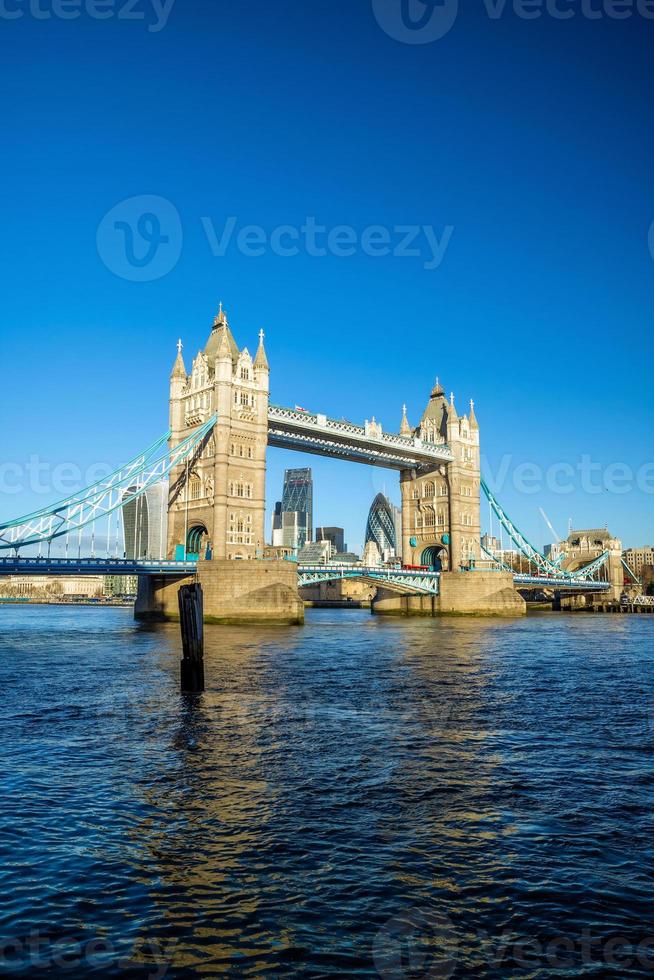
{"x":261,"y":366}
{"x":179,"y":369}
{"x":178,"y":380}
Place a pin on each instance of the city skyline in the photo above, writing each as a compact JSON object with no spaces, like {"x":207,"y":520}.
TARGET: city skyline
{"x":542,"y":299}
{"x":370,"y":481}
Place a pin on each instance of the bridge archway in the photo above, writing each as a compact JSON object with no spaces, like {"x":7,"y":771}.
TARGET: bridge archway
{"x":433,"y":557}
{"x":196,"y":540}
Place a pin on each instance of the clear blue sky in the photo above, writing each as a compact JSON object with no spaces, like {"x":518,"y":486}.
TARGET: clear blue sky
{"x":532,"y":139}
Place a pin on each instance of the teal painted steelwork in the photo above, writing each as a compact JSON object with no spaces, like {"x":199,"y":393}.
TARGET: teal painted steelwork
{"x":102,"y":499}
{"x":405,"y":580}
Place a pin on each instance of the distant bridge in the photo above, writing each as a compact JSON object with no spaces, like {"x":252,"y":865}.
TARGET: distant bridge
{"x":401,"y":579}
{"x":559,"y":584}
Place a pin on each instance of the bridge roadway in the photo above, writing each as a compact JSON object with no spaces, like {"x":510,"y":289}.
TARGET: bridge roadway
{"x":304,"y":431}
{"x":416,"y":581}
{"x":96,"y":566}
{"x":407,"y":581}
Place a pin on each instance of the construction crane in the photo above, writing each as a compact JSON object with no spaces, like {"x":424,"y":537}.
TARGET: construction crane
{"x":559,"y":558}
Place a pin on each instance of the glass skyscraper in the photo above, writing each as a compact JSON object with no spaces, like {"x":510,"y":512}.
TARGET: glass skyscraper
{"x":145,"y":522}
{"x":297,"y":507}
{"x":384,"y":527}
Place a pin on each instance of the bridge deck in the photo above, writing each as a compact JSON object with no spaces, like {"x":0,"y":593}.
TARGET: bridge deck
{"x":290,"y":429}
{"x":96,"y":566}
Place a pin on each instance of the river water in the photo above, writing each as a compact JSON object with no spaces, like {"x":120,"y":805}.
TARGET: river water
{"x":359,"y":796}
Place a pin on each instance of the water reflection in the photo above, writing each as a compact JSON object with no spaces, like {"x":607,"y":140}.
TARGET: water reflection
{"x":344,"y":798}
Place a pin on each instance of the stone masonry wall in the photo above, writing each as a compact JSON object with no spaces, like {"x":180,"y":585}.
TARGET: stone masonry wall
{"x":234,"y":592}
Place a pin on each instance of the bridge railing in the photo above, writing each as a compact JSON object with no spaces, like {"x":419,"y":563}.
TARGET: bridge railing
{"x":95,"y":566}
{"x":312,"y":421}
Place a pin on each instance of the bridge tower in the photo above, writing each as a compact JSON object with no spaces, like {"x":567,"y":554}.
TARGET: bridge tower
{"x":216,"y":504}
{"x":440,"y":510}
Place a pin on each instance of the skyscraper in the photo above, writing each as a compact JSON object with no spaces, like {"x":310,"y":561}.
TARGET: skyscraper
{"x":297,"y":507}
{"x":277,"y":537}
{"x":145,"y":522}
{"x":384,"y":527}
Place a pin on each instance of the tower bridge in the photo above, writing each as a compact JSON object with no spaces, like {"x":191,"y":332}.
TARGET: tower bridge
{"x":213,"y":460}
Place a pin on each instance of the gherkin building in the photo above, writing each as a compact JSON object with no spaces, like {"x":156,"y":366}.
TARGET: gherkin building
{"x":383,"y":526}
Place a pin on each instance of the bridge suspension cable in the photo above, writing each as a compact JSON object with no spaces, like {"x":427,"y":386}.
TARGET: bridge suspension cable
{"x":544,"y":565}
{"x":104,"y":497}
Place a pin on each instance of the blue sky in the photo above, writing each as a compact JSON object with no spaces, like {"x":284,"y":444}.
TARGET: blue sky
{"x":531,"y":140}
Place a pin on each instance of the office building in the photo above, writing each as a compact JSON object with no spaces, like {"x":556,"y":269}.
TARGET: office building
{"x":145,"y":522}
{"x":335,"y":535}
{"x":297,"y":508}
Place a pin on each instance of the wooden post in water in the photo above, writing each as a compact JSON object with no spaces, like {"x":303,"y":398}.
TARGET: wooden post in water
{"x":191,"y":624}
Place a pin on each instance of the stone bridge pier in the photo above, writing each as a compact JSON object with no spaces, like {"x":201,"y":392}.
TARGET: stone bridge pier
{"x":235,"y":592}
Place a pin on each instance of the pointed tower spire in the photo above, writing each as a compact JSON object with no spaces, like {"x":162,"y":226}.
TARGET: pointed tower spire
{"x":261,"y":361}
{"x":405,"y":428}
{"x":179,"y":369}
{"x":216,"y":341}
{"x":221,"y":319}
{"x":438,"y":389}
{"x":473,"y":418}
{"x":452,"y":411}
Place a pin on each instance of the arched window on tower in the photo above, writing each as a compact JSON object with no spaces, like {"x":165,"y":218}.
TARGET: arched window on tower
{"x":194,"y":487}
{"x":430,"y":489}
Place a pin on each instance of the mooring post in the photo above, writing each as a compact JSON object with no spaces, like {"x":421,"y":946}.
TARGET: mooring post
{"x":191,"y":625}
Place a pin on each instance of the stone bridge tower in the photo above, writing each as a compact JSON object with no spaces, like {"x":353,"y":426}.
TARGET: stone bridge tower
{"x":440,"y":510}
{"x":216,"y":502}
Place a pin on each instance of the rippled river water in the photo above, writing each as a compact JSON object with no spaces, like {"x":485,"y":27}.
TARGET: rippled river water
{"x":361,"y":796}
